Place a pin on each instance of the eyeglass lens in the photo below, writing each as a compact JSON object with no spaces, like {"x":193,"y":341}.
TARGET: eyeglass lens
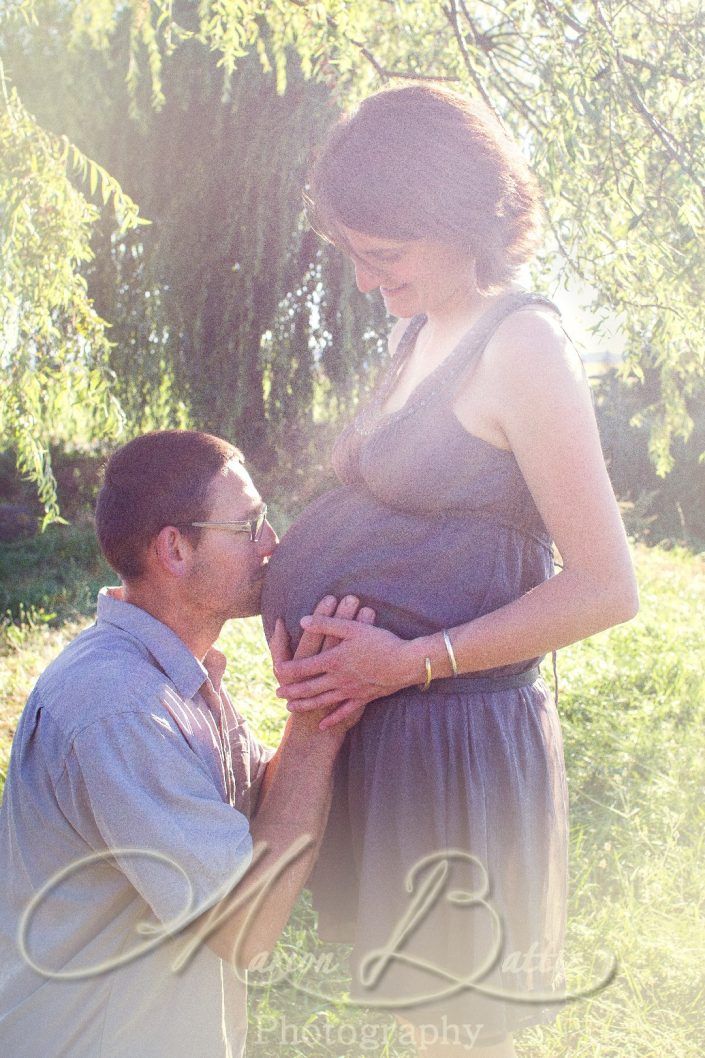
{"x":257,"y":525}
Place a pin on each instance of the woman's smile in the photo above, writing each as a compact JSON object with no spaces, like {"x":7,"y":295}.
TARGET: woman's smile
{"x":434,"y":272}
{"x":388,"y":291}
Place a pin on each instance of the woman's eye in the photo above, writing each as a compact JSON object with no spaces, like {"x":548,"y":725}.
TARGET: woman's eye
{"x":378,"y":259}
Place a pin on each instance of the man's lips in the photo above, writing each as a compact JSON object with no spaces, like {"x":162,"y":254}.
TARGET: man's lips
{"x":385,"y":291}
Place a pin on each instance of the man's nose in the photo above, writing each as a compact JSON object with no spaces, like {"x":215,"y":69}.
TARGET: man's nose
{"x":366,"y":278}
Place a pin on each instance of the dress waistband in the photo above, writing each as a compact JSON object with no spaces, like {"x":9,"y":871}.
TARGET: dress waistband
{"x":484,"y":684}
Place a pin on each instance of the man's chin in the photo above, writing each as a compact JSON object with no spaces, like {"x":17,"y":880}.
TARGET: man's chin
{"x":250,"y":606}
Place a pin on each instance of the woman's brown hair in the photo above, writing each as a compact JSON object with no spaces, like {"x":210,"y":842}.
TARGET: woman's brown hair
{"x":423,"y":162}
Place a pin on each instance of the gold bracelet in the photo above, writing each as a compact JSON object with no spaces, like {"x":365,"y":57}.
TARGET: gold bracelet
{"x":427,"y":684}
{"x":449,"y":651}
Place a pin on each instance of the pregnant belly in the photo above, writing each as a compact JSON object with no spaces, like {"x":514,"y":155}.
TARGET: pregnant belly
{"x":418,"y":572}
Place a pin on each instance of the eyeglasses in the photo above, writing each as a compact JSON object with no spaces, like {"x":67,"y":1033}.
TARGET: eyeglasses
{"x":253,"y":526}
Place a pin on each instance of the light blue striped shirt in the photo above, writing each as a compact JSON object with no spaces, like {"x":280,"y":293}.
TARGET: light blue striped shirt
{"x":126,"y":742}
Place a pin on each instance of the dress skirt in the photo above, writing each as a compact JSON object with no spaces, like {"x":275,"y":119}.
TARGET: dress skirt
{"x":444,"y":860}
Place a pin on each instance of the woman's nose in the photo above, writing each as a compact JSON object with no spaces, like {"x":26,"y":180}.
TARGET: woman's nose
{"x":365,"y":278}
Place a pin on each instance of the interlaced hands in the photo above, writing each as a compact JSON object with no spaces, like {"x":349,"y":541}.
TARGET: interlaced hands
{"x":341,"y":663}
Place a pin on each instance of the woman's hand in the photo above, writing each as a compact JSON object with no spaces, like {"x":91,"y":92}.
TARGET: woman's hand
{"x":312,"y":643}
{"x":367,"y":663}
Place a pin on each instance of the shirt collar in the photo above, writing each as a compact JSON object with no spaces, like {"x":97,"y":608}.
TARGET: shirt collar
{"x":169,"y":651}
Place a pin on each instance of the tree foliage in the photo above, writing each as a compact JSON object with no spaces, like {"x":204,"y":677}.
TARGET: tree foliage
{"x":53,"y":346}
{"x":217,"y":313}
{"x":654,"y":509}
{"x":608,"y":100}
{"x":52,"y":342}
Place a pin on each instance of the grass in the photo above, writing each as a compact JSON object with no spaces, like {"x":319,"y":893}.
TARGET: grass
{"x":632,"y":706}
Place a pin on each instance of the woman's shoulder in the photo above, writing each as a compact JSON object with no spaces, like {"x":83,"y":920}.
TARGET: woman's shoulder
{"x":532,"y":339}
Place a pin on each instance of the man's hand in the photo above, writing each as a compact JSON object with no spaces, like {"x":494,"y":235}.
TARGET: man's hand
{"x":348,"y":712}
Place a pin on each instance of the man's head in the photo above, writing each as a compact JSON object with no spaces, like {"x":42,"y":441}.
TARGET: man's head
{"x":154,"y":488}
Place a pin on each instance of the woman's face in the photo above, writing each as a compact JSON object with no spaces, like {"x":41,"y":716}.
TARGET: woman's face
{"x":418,"y":275}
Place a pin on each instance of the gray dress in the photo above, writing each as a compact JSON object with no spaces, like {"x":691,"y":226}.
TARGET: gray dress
{"x":432,"y":527}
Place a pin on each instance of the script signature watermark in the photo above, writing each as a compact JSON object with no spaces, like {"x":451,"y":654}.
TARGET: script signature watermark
{"x":427,"y":883}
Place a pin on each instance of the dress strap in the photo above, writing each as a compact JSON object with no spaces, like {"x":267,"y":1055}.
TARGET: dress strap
{"x":475,"y":340}
{"x":441,"y":380}
{"x":404,"y":349}
{"x":409,"y":336}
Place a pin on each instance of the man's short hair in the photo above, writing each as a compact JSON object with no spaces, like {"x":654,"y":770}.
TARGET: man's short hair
{"x":161,"y":478}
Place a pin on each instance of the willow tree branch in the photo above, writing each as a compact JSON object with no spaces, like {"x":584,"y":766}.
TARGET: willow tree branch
{"x":451,"y":13}
{"x":564,"y":16}
{"x":383,"y":72}
{"x":503,"y":84}
{"x":668,"y":141}
{"x":642,"y":64}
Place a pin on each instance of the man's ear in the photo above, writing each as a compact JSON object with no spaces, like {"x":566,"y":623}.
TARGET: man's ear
{"x":173,"y":551}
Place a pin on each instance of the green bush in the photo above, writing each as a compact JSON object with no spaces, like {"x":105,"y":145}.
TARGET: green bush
{"x":58,"y":572}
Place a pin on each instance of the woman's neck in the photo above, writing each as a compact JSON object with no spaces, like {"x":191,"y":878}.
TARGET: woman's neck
{"x":446,"y":323}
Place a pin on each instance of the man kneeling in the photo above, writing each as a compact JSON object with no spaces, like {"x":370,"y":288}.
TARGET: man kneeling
{"x":142,"y":822}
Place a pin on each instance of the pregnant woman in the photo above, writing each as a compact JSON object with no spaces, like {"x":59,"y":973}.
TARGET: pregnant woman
{"x":445,"y":857}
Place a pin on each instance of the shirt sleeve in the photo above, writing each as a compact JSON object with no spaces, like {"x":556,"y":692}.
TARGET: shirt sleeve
{"x":134,"y":783}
